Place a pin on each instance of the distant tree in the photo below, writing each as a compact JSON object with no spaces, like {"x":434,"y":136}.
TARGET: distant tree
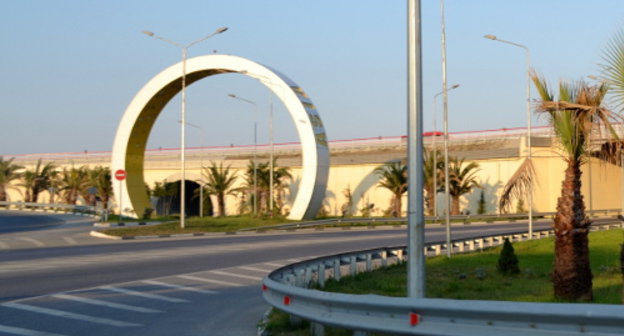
{"x":37,"y":180}
{"x":462,"y":178}
{"x":432,"y":171}
{"x":219,"y":182}
{"x":482,"y":208}
{"x":73,"y":183}
{"x":9,"y":172}
{"x":346,"y":208}
{"x":100,"y":178}
{"x":393,"y":176}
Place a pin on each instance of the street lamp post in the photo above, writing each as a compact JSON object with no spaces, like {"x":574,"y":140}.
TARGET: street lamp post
{"x":255,"y":169}
{"x":183,"y":113}
{"x":435,"y":152}
{"x":201,"y":166}
{"x":528,"y":113}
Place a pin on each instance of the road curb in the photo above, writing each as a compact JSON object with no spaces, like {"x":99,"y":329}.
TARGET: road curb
{"x":98,"y":234}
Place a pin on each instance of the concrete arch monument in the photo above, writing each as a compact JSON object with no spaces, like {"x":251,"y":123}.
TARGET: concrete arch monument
{"x":136,"y":124}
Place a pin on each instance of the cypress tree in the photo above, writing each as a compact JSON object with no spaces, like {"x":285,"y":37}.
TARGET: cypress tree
{"x":507,"y":261}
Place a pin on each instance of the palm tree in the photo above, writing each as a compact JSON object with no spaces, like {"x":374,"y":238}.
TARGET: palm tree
{"x":100,"y":178}
{"x":432,"y":172}
{"x":577,"y":111}
{"x":37,"y":180}
{"x":219,"y":183}
{"x":9,"y":172}
{"x":73,"y":182}
{"x":462,"y":178}
{"x":394,"y":178}
{"x":281,"y":175}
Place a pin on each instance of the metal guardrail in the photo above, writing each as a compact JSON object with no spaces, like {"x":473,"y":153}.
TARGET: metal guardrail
{"x":466,"y":219}
{"x":287,"y":289}
{"x":85,"y":210}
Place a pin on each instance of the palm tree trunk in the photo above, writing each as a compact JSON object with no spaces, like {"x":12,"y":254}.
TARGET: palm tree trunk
{"x":2,"y":194}
{"x":455,"y":205}
{"x":397,"y":205}
{"x":572,"y":276}
{"x":221,"y":200}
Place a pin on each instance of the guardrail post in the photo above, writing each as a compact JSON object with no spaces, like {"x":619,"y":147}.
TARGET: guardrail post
{"x":480,"y":244}
{"x":353,"y":266}
{"x":399,"y":254}
{"x":337,"y":269}
{"x":321,"y":275}
{"x":437,"y":249}
{"x":308,"y":277}
{"x":369,"y":262}
{"x":471,"y":245}
{"x":317,"y":329}
{"x":461,"y":246}
{"x":384,"y":258}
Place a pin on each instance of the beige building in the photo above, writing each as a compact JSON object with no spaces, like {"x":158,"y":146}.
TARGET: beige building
{"x":499,"y":154}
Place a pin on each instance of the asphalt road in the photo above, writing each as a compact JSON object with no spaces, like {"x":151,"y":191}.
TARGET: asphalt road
{"x":191,"y":286}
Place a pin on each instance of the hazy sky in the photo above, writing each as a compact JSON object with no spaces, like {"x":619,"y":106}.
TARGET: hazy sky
{"x":68,"y":69}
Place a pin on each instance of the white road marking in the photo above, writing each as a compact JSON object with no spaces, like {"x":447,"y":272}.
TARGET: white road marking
{"x":216,"y":282}
{"x":61,"y":313}
{"x":255,"y":269}
{"x":33,"y":241}
{"x":4,"y":246}
{"x":294,"y":260}
{"x":237,"y":275}
{"x":105,"y":303}
{"x":25,"y":332}
{"x":70,"y":240}
{"x":180,"y":287}
{"x":145,"y":295}
{"x":274,"y":264}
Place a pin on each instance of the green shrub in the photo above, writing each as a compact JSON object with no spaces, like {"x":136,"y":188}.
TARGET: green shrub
{"x":507,"y":261}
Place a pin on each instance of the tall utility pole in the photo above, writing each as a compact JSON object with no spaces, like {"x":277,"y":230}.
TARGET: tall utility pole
{"x":447,"y":191}
{"x":528,"y":116}
{"x":183,"y":113}
{"x":415,"y":215}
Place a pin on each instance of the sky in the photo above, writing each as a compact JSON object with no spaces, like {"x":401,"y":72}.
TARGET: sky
{"x":69,"y":68}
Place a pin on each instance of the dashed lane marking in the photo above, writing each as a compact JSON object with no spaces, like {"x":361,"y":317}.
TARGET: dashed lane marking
{"x":105,"y":303}
{"x":212,"y":281}
{"x":180,"y":287}
{"x":255,"y":269}
{"x":70,"y":240}
{"x":24,"y":332}
{"x":235,"y":275}
{"x":145,"y":295}
{"x":32,"y":241}
{"x":65,"y":314}
{"x":274,"y":264}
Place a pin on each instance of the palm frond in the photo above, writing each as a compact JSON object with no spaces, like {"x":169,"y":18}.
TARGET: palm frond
{"x":518,"y":185}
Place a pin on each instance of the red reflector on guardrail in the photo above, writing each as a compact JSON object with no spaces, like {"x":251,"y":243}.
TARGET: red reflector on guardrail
{"x":414,"y":319}
{"x":287,"y":300}
{"x":264,"y":288}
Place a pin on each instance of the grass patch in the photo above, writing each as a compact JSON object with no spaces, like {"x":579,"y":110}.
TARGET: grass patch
{"x":198,"y":225}
{"x":473,"y":276}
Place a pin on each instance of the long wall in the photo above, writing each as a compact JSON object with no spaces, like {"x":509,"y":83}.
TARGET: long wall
{"x":352,"y":166}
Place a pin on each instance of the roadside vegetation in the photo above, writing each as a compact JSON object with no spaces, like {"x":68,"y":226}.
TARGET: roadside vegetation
{"x":476,"y":276}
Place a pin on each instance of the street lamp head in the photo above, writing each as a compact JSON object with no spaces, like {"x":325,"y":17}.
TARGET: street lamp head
{"x":221,"y":30}
{"x":148,"y":33}
{"x":490,"y":36}
{"x":454,"y":87}
{"x":232,"y":95}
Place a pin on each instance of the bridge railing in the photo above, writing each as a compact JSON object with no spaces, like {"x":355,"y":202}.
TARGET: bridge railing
{"x":288,"y":289}
{"x":85,"y":210}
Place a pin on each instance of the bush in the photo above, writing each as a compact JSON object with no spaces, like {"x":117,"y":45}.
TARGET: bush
{"x":508,"y":262}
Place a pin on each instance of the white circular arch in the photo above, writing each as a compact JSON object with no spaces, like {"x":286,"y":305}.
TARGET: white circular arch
{"x":138,"y":119}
